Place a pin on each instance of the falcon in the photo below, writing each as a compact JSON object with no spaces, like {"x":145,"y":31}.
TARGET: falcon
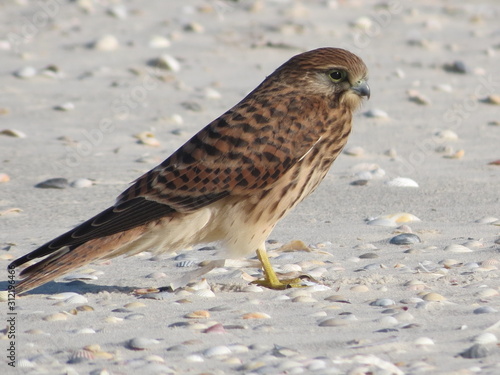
{"x":231,"y":182}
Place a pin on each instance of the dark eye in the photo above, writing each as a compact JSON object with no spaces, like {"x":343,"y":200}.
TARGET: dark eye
{"x":336,"y":75}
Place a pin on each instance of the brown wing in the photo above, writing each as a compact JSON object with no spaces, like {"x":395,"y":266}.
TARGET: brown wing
{"x":244,"y":151}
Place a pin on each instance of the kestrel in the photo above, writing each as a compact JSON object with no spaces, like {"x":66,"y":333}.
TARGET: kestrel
{"x":231,"y":182}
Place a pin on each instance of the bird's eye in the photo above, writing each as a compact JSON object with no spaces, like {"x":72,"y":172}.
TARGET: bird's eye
{"x":337,"y":75}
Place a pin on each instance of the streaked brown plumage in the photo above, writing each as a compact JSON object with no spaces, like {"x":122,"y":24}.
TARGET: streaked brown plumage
{"x":234,"y":180}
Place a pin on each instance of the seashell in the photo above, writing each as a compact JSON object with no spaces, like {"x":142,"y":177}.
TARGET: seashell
{"x":333,"y":322}
{"x":134,"y":305}
{"x":403,"y":316}
{"x":26,"y":72}
{"x":118,"y":11}
{"x":304,"y":299}
{"x":354,"y":151}
{"x":493,"y":99}
{"x":402,"y":182}
{"x":443,"y":87}
{"x":316,"y":364}
{"x":252,"y":289}
{"x":194,"y":27}
{"x":476,"y":351}
{"x":383,"y":302}
{"x":485,"y":338}
{"x":256,"y":315}
{"x":295,"y":245}
{"x":166,"y":62}
{"x":454,"y":248}
{"x":360,"y":289}
{"x":35,"y":332}
{"x":185,"y":263}
{"x":211,"y":93}
{"x":194,"y":358}
{"x":423,"y":341}
{"x":84,"y":331}
{"x":486,"y":220}
{"x":79,"y":276}
{"x":106,"y":43}
{"x":416,"y":97}
{"x":362,"y":23}
{"x":76,"y":299}
{"x":405,"y":239}
{"x":159,"y":42}
{"x":4,"y":177}
{"x":141,"y":343}
{"x":13,"y":133}
{"x":485,"y":310}
{"x":135,"y":316}
{"x":199,"y":314}
{"x":388,"y":320}
{"x":291,"y":268}
{"x":55,"y":317}
{"x":487,"y":293}
{"x":447,"y":134}
{"x":53,"y":183}
{"x":376,"y":113}
{"x":113,"y":319}
{"x":205,"y":293}
{"x":65,"y":107}
{"x":217,"y":351}
{"x":25,"y":363}
{"x":456,"y":155}
{"x":81,"y":183}
{"x":435,"y":297}
{"x":216,"y":328}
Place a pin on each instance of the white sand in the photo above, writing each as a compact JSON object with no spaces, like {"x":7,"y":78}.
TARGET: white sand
{"x":405,"y":49}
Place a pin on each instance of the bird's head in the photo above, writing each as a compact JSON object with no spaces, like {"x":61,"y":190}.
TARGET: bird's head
{"x":334,"y":73}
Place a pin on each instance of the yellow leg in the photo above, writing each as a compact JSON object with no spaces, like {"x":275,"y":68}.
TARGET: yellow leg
{"x":271,"y":279}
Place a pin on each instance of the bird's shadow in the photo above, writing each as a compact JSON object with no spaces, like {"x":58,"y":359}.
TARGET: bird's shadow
{"x":76,"y":286}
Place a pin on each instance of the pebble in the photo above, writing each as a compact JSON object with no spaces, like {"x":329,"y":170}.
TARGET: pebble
{"x":402,"y":182}
{"x":53,"y":183}
{"x":405,"y":239}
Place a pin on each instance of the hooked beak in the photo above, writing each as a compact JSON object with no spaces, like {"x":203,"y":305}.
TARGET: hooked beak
{"x":362,"y":89}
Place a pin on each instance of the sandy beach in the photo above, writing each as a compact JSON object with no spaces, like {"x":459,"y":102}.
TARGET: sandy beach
{"x":403,"y":235}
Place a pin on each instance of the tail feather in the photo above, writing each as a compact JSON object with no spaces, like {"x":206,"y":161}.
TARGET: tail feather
{"x":66,"y":259}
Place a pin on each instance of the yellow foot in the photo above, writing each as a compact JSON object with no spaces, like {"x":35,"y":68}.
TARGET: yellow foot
{"x":277,"y":284}
{"x":271,"y":281}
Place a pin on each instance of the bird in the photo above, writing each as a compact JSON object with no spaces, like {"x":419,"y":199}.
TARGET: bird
{"x":233,"y":181}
